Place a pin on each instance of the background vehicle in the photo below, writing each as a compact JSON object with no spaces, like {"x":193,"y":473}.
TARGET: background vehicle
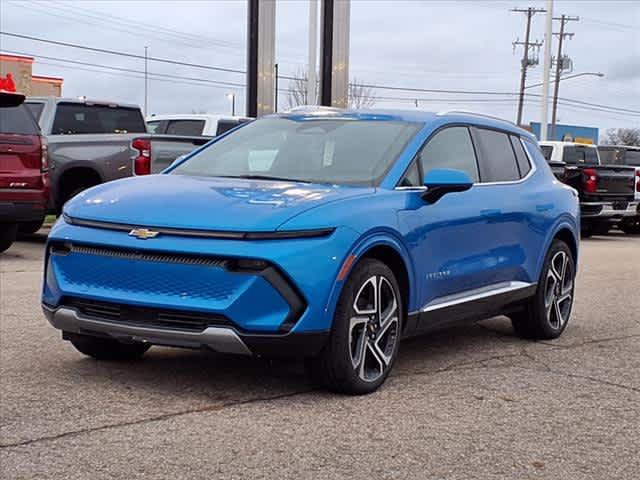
{"x":24,"y":182}
{"x":327,"y":235}
{"x":607,"y":192}
{"x":630,"y":156}
{"x":91,"y":142}
{"x":193,"y":125}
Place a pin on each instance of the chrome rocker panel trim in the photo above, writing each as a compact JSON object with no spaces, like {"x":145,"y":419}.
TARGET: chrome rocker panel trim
{"x":219,"y":339}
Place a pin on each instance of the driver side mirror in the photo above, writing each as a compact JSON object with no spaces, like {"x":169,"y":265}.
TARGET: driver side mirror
{"x":441,"y":181}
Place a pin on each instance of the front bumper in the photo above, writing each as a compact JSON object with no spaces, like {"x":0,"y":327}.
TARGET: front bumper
{"x":608,"y":210}
{"x":218,"y":339}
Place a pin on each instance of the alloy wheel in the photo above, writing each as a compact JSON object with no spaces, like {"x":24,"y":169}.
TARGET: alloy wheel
{"x":558,"y":292}
{"x":374,"y":328}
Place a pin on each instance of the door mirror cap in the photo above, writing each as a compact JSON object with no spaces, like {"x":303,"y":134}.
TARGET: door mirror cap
{"x":441,"y":181}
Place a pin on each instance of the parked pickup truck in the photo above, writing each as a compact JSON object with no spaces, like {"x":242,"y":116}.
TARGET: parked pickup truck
{"x":206,"y":124}
{"x":629,"y":156}
{"x":607,"y":192}
{"x":91,"y":142}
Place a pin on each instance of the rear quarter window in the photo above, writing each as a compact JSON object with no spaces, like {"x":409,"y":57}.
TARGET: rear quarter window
{"x":36,"y":109}
{"x":79,"y":118}
{"x":18,"y":120}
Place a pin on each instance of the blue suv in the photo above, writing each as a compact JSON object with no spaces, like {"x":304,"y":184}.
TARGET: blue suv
{"x":321,"y":234}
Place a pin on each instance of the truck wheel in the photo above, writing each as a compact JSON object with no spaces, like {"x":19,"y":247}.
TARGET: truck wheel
{"x":366,"y":332}
{"x":547,"y":314}
{"x":30,"y":227}
{"x":106,"y":348}
{"x":8,"y":232}
{"x":631,"y":227}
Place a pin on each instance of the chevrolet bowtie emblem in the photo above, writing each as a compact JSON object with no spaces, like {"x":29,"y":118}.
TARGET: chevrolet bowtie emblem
{"x":143,"y":233}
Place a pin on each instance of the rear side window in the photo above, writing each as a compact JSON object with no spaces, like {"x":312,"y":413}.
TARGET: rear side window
{"x":576,"y":154}
{"x":79,"y":118}
{"x":546,"y":150}
{"x":521,"y":156}
{"x":497,"y":158}
{"x":153,"y":126}
{"x":185,"y":127}
{"x":450,"y":148}
{"x":35,"y":109}
{"x":18,"y":120}
{"x":226,"y":125}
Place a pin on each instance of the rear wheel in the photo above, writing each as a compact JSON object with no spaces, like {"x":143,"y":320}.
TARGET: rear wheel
{"x":366,"y":332}
{"x":106,"y":348}
{"x":549,"y":310}
{"x":8,"y":232}
{"x":31,"y":227}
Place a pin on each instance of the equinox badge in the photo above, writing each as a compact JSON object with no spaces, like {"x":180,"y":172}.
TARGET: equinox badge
{"x":143,"y":233}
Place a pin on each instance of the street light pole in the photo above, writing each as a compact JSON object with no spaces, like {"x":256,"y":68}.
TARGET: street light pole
{"x":232,"y":96}
{"x":548,"y":36}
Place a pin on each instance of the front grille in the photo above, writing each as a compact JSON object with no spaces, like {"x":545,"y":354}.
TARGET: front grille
{"x":145,"y":316}
{"x":143,"y":256}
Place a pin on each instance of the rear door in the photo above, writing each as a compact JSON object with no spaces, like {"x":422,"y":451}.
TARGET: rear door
{"x":20,"y":149}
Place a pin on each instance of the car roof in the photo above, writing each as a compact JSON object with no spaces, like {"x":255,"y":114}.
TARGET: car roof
{"x":627,"y":147}
{"x":571,"y":144}
{"x":412,"y":115}
{"x":89,"y":101}
{"x":193,"y":116}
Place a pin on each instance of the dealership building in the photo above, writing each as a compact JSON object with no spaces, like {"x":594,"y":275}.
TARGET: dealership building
{"x":21,"y":68}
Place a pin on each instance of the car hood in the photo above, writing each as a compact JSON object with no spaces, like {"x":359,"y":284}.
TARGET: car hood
{"x":204,"y":203}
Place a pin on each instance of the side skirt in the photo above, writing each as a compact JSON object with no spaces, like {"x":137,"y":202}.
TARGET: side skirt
{"x":469,"y":307}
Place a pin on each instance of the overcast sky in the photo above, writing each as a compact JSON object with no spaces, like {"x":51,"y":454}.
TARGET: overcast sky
{"x":460,"y":45}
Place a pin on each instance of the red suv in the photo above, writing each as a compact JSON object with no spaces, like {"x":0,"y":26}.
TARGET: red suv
{"x":24,"y":181}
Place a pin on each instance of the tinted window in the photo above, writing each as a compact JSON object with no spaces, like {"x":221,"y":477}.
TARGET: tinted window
{"x":153,"y":126}
{"x":521,"y":157}
{"x":340,"y":151}
{"x":78,"y":118}
{"x":412,"y":177}
{"x":546,"y":150}
{"x":36,"y":109}
{"x":226,"y":125}
{"x":450,"y":148}
{"x":185,"y":127}
{"x":18,"y":120}
{"x":580,"y":155}
{"x":497,"y":159}
{"x":632,"y":157}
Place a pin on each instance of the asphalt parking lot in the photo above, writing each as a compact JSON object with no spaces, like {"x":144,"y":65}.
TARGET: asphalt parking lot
{"x":462,"y":404}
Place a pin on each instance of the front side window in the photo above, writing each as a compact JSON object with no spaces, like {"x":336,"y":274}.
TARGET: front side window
{"x":497,"y":158}
{"x":450,"y":148}
{"x":80,"y":118}
{"x":320,"y":150}
{"x":632,"y":157}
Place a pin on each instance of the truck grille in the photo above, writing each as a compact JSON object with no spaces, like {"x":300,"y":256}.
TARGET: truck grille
{"x":145,"y":316}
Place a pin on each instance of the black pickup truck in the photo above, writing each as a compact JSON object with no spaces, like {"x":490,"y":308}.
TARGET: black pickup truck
{"x":607,"y":192}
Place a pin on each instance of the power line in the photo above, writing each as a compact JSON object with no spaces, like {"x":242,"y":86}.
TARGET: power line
{"x":288,"y":77}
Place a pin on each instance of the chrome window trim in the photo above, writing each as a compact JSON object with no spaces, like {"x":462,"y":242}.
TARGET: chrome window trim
{"x":421,"y":188}
{"x":472,"y":295}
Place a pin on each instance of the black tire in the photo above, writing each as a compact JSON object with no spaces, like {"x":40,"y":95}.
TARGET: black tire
{"x":631,"y":227}
{"x":8,"y":232}
{"x":31,"y":227}
{"x":362,"y":333}
{"x":106,"y":348}
{"x":547,"y":313}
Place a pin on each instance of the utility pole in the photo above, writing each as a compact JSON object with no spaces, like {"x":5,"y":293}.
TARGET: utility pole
{"x":544,"y":106}
{"x":312,"y":95}
{"x":526,"y":60}
{"x":146,"y":91}
{"x":275,"y":73}
{"x":564,"y":19}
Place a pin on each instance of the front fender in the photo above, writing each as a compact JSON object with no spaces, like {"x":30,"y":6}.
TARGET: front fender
{"x":367,"y":241}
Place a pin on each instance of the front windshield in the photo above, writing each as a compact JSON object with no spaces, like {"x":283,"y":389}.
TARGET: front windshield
{"x":335,"y":151}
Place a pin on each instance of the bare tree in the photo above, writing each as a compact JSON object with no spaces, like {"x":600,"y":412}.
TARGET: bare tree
{"x":622,"y":136}
{"x":360,"y":95}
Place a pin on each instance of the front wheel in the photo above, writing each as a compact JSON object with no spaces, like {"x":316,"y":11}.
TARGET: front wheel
{"x":106,"y":348}
{"x":8,"y":232}
{"x":547,"y":314}
{"x":366,"y":332}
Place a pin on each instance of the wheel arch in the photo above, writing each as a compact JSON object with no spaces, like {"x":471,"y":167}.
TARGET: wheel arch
{"x":75,"y":175}
{"x":390,"y":250}
{"x":565,"y":231}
